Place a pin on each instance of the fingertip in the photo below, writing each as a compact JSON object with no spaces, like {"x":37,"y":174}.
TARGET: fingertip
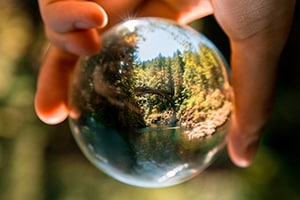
{"x":68,"y":16}
{"x":49,"y":109}
{"x":242,"y":147}
{"x":96,"y":18}
{"x":49,"y":112}
{"x":238,"y":156}
{"x":104,"y":20}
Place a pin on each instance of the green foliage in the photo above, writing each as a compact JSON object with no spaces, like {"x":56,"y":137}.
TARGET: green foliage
{"x":189,"y":84}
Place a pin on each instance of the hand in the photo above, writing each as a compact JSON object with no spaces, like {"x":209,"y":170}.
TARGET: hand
{"x":257,"y":31}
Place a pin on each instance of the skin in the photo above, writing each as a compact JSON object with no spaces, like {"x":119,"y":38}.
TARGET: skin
{"x":257,"y":31}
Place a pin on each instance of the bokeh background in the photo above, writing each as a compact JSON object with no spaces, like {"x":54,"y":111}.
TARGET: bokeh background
{"x":42,"y":162}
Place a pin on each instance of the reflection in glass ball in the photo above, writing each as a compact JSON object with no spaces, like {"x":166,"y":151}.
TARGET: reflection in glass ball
{"x":151,"y":109}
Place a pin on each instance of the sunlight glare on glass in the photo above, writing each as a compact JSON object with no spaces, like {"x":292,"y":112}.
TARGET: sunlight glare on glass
{"x":131,"y":24}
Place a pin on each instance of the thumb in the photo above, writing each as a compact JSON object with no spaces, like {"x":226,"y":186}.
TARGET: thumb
{"x":242,"y":144}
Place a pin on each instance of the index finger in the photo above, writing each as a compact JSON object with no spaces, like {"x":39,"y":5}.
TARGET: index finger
{"x":67,"y":15}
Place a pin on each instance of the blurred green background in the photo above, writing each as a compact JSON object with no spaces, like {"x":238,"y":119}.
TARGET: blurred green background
{"x":42,"y":162}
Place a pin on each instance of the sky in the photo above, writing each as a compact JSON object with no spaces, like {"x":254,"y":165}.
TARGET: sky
{"x":157,"y":41}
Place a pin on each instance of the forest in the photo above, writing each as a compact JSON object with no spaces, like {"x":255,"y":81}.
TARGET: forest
{"x":185,"y":90}
{"x":188,"y":89}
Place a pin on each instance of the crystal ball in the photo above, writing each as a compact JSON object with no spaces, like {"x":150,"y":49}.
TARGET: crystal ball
{"x":152,"y":107}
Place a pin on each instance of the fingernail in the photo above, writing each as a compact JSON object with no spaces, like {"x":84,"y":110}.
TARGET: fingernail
{"x":85,"y":24}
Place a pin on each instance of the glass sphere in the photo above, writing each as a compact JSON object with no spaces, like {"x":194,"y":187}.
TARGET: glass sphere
{"x":152,"y":107}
